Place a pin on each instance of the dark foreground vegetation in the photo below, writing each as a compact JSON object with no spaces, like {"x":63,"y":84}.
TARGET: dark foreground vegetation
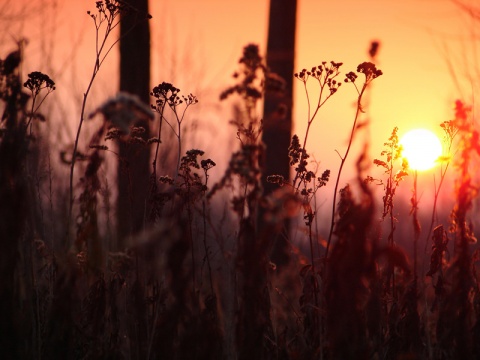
{"x":199,"y":282}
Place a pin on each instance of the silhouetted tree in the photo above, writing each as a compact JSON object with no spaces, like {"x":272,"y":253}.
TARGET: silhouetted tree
{"x":133,"y":173}
{"x":278,"y":104}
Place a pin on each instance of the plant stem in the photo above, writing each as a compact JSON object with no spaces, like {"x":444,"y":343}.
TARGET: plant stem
{"x":309,"y":123}
{"x":98,"y":61}
{"x":75,"y":146}
{"x":416,"y":227}
{"x":434,"y":210}
{"x":342,"y":163}
{"x":154,"y":164}
{"x":207,"y":256}
{"x":315,"y":287}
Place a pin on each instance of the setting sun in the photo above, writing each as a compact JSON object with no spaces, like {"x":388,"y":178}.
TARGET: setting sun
{"x":421,"y":148}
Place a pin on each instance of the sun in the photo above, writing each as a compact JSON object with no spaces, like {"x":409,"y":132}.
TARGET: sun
{"x":421,"y":148}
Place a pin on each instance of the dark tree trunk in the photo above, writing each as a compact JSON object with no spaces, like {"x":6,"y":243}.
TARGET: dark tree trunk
{"x":277,"y":115}
{"x":133,"y":172}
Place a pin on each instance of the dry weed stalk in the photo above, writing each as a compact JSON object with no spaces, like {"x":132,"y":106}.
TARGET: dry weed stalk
{"x":458,"y":301}
{"x":105,"y":20}
{"x":371,"y":72}
{"x":351,"y":269}
{"x":21,"y":310}
{"x":392,"y":154}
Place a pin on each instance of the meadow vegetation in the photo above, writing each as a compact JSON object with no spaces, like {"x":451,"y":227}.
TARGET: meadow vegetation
{"x":198,"y":281}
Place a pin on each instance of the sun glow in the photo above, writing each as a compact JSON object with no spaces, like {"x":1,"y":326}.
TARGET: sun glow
{"x":421,"y":148}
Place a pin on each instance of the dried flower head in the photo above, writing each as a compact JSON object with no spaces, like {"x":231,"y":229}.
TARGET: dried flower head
{"x":165,"y":179}
{"x":207,"y":164}
{"x":450,"y":130}
{"x":374,"y":46}
{"x":190,"y":99}
{"x":165,"y":93}
{"x":325,"y":74}
{"x":370,"y":70}
{"x":295,"y":150}
{"x":111,"y":9}
{"x":190,"y":160}
{"x":38,"y":81}
{"x":114,"y":134}
{"x":276,"y":179}
{"x":323,"y":180}
{"x":251,"y":56}
{"x":350,"y":77}
{"x":251,"y":77}
{"x":98,"y":147}
{"x":392,"y":152}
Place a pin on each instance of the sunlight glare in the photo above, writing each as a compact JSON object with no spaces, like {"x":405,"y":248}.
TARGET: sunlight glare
{"x":421,"y":148}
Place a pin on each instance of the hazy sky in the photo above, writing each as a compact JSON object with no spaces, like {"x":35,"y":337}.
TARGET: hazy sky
{"x":197,"y":43}
{"x":418,"y":39}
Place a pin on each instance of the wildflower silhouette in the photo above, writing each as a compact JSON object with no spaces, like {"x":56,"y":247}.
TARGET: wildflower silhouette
{"x":105,"y":20}
{"x":37,"y":82}
{"x":370,"y":71}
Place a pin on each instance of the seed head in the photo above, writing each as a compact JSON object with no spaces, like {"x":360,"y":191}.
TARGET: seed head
{"x":38,"y":81}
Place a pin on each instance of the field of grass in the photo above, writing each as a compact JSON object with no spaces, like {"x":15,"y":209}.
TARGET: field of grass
{"x":199,"y":281}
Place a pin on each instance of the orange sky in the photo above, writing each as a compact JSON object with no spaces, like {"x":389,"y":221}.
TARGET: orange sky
{"x":196,"y":45}
{"x":418,"y":37}
{"x":416,"y":89}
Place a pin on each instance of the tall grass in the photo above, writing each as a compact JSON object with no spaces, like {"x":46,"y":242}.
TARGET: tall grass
{"x":198,"y":285}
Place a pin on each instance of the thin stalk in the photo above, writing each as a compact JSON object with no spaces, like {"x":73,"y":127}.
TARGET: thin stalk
{"x":155,"y":158}
{"x":190,"y":234}
{"x":75,"y":146}
{"x":443,"y":173}
{"x":100,"y":55}
{"x":416,"y":227}
{"x":179,"y":134}
{"x":36,"y":334}
{"x":342,"y":163}
{"x":96,"y":68}
{"x":34,"y":109}
{"x":31,"y":114}
{"x":207,"y":257}
{"x":50,"y":201}
{"x":320,"y":103}
{"x":154,"y":325}
{"x":313,"y":264}
{"x":391,"y":240}
{"x":179,"y":155}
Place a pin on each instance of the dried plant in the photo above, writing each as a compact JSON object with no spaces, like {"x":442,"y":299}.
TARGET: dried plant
{"x":199,"y":280}
{"x":167,"y":94}
{"x":392,"y":154}
{"x":458,"y":301}
{"x":106,"y":19}
{"x":350,"y":270}
{"x":450,"y":131}
{"x":370,"y":71}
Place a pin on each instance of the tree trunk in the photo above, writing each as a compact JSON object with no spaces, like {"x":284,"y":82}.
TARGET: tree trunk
{"x":277,"y":115}
{"x":133,"y":171}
